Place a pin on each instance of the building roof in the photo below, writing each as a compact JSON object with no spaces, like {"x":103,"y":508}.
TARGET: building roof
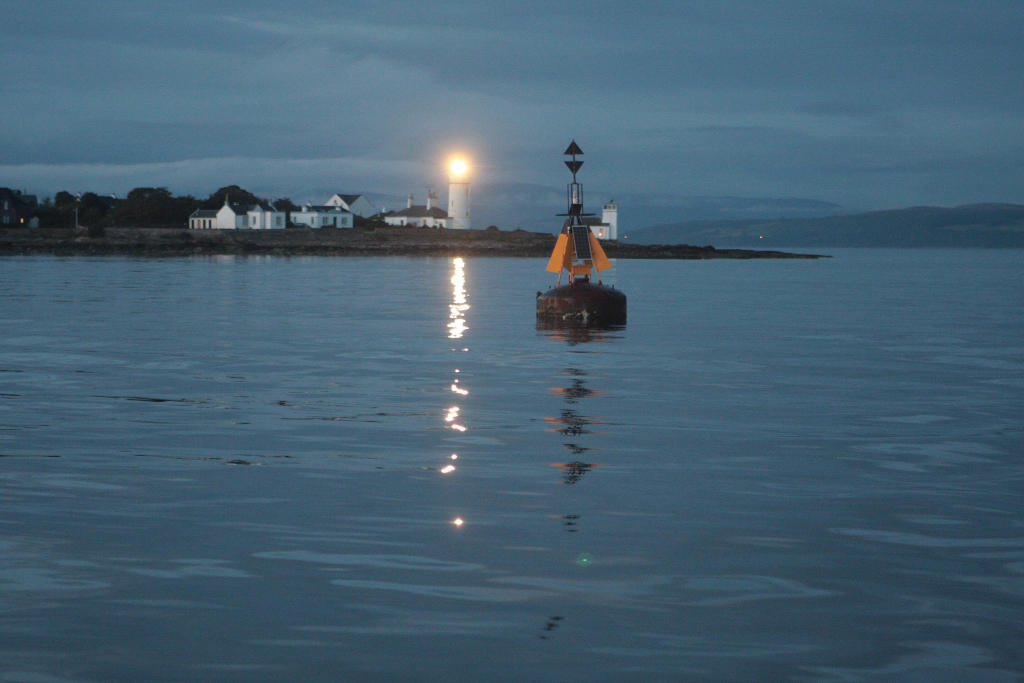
{"x":240,"y":209}
{"x":203,"y":213}
{"x":324,"y":208}
{"x":348,"y":198}
{"x":419,"y":211}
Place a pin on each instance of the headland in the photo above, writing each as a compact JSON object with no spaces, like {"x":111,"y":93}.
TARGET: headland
{"x":389,"y":241}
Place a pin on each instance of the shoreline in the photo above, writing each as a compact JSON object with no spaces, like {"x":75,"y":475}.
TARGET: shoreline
{"x":176,"y":242}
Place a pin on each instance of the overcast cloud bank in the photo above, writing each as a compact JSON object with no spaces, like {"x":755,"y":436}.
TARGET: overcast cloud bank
{"x":851,"y":103}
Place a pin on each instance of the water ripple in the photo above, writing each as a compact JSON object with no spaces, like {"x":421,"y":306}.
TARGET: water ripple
{"x":737,"y":589}
{"x":38,"y":579}
{"x":378,"y":561}
{"x":472,"y":593}
{"x":929,"y":661}
{"x":923,"y":541}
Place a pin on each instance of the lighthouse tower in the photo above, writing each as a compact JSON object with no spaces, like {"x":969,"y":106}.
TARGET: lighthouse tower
{"x":610,"y":217}
{"x":458,"y":195}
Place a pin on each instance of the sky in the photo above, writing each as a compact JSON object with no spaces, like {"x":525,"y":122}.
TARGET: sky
{"x":844,"y":104}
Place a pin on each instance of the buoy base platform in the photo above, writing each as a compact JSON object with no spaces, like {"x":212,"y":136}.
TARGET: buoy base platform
{"x":582,"y":302}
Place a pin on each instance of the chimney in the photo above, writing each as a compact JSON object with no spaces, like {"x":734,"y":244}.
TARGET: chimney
{"x":431,"y":199}
{"x":408,"y":203}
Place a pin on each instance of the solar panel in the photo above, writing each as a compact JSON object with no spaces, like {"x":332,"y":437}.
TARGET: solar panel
{"x":581,"y":241}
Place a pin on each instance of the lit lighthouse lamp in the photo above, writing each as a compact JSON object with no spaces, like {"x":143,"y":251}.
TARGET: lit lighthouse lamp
{"x":458,"y":194}
{"x":578,"y":253}
{"x":458,"y":167}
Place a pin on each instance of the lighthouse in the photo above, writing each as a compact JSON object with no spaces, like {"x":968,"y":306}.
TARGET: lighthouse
{"x":610,"y":217}
{"x":458,"y":195}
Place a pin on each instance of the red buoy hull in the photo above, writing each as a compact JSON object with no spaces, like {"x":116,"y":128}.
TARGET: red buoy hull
{"x":583,"y":303}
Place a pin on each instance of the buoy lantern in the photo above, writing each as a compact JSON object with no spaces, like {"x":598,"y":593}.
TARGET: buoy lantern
{"x":578,"y":253}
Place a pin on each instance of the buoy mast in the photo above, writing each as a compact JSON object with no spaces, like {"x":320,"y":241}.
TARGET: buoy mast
{"x":577,"y":250}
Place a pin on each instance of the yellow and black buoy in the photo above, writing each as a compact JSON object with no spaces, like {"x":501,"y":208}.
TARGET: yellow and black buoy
{"x":578,"y":252}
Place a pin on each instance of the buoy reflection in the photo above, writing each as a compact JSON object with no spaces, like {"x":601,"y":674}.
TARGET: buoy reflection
{"x":574,"y":426}
{"x":574,"y":470}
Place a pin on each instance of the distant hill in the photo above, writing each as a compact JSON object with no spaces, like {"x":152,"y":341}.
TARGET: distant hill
{"x":535,"y":207}
{"x":974,"y":225}
{"x":639,"y":209}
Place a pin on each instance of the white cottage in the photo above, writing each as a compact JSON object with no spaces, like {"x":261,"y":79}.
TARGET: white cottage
{"x":328,"y":216}
{"x":237,"y":217}
{"x":260,"y":218}
{"x":427,"y":215}
{"x":203,"y":219}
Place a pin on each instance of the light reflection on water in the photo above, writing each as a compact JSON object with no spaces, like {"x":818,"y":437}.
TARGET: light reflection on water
{"x":223,"y":470}
{"x":457,"y":309}
{"x":457,"y":329}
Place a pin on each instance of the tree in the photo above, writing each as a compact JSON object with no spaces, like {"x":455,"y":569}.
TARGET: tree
{"x":64,"y":199}
{"x":286,"y":204}
{"x":153,"y":207}
{"x":92,"y":210}
{"x":235,"y":195}
{"x":60,"y":213}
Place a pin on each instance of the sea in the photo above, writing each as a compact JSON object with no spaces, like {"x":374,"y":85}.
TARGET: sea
{"x":382,"y":469}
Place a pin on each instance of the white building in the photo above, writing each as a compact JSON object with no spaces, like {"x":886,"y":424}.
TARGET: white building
{"x":203,"y":219}
{"x":608,"y":227}
{"x":329,"y":216}
{"x":260,"y":218}
{"x":237,"y":217}
{"x":356,"y":203}
{"x":427,"y":215}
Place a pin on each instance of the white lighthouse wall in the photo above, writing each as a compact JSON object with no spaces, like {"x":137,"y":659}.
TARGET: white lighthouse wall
{"x":610,"y":217}
{"x":458,"y":206}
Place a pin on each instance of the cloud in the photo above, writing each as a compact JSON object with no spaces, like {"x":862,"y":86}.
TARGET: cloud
{"x":302,"y":179}
{"x":850,"y":102}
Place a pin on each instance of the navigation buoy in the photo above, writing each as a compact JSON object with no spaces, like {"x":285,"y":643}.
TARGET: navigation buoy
{"x":578,"y":253}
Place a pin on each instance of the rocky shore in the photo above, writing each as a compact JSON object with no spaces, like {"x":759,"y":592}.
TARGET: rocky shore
{"x":391,"y":241}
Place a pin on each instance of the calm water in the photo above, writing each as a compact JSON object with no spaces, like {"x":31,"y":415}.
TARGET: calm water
{"x":240,"y":470}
